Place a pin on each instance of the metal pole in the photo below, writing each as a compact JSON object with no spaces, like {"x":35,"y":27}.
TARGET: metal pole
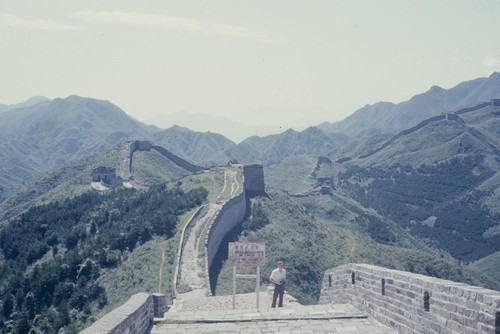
{"x":257,"y":288}
{"x":234,"y":287}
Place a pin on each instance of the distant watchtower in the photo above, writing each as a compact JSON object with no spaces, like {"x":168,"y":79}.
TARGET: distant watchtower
{"x":106,"y":175}
{"x":254,"y":179}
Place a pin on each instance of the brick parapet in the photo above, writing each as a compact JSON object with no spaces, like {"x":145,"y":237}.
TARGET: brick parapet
{"x":452,"y":307}
{"x":134,"y":317}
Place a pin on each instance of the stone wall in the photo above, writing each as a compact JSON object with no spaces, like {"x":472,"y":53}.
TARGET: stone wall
{"x":254,"y":179}
{"x":130,"y":147}
{"x":134,"y":317}
{"x":178,"y":161}
{"x":473,"y":108}
{"x":230,"y":215}
{"x":413,"y":303}
{"x":449,"y":115}
{"x":127,"y":152}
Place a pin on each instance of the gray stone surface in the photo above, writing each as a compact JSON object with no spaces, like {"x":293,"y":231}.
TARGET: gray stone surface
{"x":195,"y":313}
{"x":413,"y":303}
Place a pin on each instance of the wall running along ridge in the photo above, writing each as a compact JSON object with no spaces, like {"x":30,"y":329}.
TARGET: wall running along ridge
{"x":232,"y":212}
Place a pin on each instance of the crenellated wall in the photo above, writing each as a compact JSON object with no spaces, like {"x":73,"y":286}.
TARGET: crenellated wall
{"x":413,"y":303}
{"x":134,"y":317}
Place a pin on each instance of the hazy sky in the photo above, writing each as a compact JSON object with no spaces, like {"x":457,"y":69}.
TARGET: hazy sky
{"x":256,"y":62}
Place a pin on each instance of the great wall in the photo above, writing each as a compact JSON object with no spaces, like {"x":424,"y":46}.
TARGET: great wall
{"x":450,"y":115}
{"x":354,"y":298}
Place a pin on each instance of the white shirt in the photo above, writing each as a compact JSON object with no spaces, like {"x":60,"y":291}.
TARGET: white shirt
{"x":277,"y":276}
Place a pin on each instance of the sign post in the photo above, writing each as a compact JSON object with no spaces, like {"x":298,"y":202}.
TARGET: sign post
{"x":246,"y":255}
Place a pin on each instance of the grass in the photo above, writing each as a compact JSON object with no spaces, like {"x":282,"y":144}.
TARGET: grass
{"x":489,"y":265}
{"x":138,"y":272}
{"x":150,"y":167}
{"x":212,"y":181}
{"x":291,"y":174}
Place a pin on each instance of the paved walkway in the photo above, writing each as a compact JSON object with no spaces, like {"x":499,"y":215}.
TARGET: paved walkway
{"x":192,"y":263}
{"x":194,"y":313}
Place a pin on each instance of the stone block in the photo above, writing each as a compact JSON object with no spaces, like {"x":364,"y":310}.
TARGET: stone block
{"x":402,"y":304}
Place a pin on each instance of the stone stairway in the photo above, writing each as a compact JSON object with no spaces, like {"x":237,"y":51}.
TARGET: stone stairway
{"x":195,"y":313}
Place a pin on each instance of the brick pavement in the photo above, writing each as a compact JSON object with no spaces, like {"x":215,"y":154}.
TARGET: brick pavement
{"x":194,"y":313}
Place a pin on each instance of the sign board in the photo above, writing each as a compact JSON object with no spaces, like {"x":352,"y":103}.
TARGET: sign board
{"x":246,"y":254}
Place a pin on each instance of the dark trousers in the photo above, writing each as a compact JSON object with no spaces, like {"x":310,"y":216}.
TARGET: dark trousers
{"x":279,"y":290}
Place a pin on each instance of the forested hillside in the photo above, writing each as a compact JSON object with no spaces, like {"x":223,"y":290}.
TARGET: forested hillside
{"x":438,"y":180}
{"x":436,"y":203}
{"x":51,"y":256}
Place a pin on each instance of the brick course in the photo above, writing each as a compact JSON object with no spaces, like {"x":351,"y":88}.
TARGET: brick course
{"x":453,"y":307}
{"x":134,"y":317}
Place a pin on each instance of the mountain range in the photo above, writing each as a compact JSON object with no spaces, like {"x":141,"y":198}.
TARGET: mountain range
{"x":413,"y":186}
{"x":387,"y":117}
{"x":27,"y":103}
{"x":200,"y":122}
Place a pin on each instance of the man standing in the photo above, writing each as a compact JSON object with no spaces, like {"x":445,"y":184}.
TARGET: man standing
{"x":278,"y":278}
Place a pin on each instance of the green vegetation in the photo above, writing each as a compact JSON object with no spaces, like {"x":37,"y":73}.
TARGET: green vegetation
{"x":53,"y":255}
{"x":68,"y":255}
{"x":258,"y":218}
{"x":310,"y":241}
{"x":291,"y":174}
{"x":212,"y":181}
{"x":409,"y":196}
{"x":490,"y":265}
{"x":150,"y":167}
{"x":58,"y":184}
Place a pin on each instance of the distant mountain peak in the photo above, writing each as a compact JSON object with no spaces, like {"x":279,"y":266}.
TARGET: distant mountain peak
{"x":436,"y":89}
{"x":29,"y":102}
{"x":35,"y":99}
{"x":391,"y":118}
